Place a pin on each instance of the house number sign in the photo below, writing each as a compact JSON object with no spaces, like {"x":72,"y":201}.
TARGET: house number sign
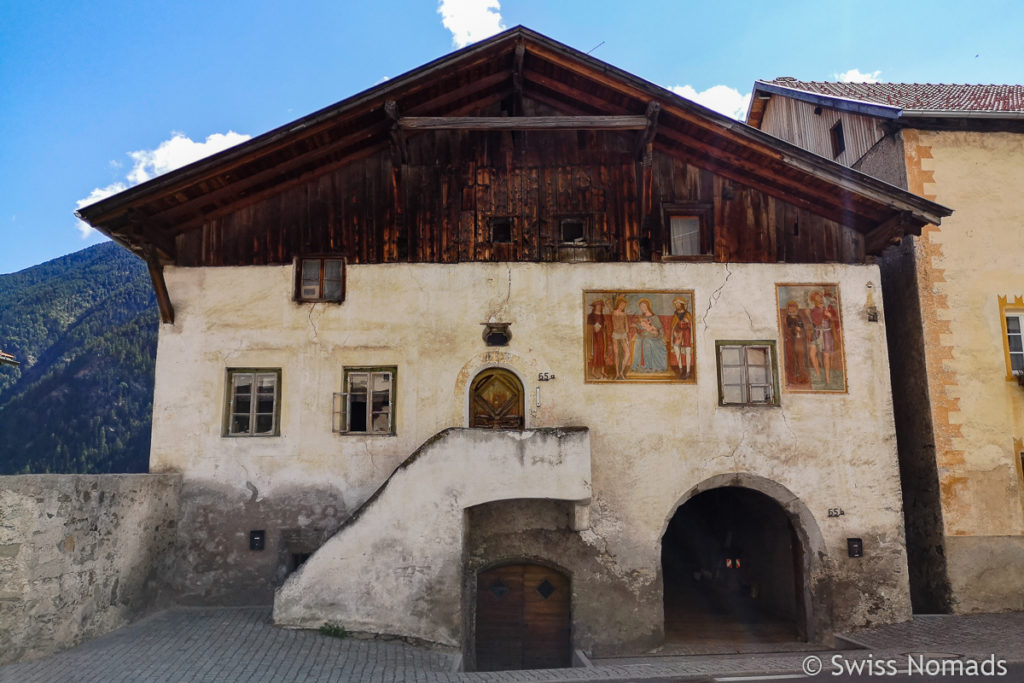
{"x":545,"y":376}
{"x":835,"y":512}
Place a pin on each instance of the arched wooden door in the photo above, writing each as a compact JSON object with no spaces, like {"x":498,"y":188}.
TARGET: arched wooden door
{"x":522,"y":618}
{"x":496,"y":400}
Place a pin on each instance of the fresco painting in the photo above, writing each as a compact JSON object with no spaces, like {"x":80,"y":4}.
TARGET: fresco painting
{"x":639,"y":336}
{"x":811,"y":330}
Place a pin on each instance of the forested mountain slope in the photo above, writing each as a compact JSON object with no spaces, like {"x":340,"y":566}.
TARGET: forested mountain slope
{"x":84,"y":328}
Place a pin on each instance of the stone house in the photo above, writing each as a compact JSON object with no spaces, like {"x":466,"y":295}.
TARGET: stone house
{"x":955,"y":301}
{"x":520,"y":353}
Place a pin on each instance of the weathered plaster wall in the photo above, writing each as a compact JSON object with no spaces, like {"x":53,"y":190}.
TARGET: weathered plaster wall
{"x":80,"y":555}
{"x":919,"y":479}
{"x":964,"y":266}
{"x":397,"y":567}
{"x":650,"y":443}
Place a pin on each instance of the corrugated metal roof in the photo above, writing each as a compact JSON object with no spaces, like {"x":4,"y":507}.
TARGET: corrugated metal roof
{"x":938,"y":97}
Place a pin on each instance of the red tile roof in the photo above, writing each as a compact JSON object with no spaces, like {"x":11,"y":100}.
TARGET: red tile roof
{"x":938,"y":97}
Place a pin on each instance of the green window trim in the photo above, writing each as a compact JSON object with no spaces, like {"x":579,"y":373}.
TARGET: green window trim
{"x":252,"y":402}
{"x":747,"y":372}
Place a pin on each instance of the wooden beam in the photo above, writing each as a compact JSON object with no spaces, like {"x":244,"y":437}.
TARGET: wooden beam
{"x":888,"y":233}
{"x":523,"y":122}
{"x":156,"y":274}
{"x":517,"y":79}
{"x":399,"y":154}
{"x":645,"y":141}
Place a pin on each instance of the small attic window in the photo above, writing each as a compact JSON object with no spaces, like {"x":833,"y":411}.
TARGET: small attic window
{"x":573,"y":230}
{"x":838,"y":141}
{"x":501,"y":230}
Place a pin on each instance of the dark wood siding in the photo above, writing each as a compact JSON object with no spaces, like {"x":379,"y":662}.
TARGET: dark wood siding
{"x":438,"y":207}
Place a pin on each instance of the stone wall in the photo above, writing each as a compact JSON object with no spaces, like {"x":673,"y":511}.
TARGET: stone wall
{"x":80,"y":555}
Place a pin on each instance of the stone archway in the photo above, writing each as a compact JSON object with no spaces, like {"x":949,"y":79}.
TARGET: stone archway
{"x":737,"y":556}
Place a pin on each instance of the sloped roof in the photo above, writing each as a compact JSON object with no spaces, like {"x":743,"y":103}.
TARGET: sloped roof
{"x":151,"y":215}
{"x":8,"y":359}
{"x":907,"y":99}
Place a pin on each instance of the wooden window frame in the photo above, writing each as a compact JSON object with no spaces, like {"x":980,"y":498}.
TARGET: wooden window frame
{"x":342,"y":406}
{"x":230,"y":397}
{"x":772,"y":367}
{"x":704,"y":213}
{"x":323,"y":259}
{"x":1010,"y":309}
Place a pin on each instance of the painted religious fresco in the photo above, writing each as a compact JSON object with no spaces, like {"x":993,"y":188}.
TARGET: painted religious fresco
{"x":639,"y":336}
{"x":811,"y":330}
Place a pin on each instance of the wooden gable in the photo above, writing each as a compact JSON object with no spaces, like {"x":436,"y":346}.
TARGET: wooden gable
{"x":517,"y":134}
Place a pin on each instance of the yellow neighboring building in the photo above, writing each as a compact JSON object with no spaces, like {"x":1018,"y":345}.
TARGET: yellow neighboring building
{"x":954,"y":299}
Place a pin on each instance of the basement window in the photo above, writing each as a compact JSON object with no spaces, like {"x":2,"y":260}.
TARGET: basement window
{"x":366,"y":402}
{"x":320,"y":279}
{"x":838,"y":141}
{"x":747,"y":373}
{"x":253,"y":403}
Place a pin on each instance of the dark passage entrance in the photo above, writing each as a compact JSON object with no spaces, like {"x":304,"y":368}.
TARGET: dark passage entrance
{"x":732,"y":573}
{"x":522,"y":618}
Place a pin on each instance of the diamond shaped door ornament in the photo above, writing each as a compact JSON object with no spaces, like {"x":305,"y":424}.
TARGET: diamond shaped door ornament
{"x":498,"y":589}
{"x":545,"y":589}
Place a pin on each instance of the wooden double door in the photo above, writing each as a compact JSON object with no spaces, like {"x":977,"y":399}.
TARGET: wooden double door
{"x":522,"y":618}
{"x":496,"y":400}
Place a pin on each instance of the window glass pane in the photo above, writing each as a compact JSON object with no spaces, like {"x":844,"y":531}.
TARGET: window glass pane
{"x":311,"y":278}
{"x":332,"y":269}
{"x":759,"y":394}
{"x":240,"y":424}
{"x":731,"y":355}
{"x":265,"y":424}
{"x":757,"y":355}
{"x":242,"y":384}
{"x":357,"y":394}
{"x":381,"y":402}
{"x":1017,"y":362}
{"x":757,"y":375}
{"x":1015,"y":343}
{"x":332,"y":290}
{"x":732,"y":394}
{"x":684,"y":236}
{"x":732,"y":375}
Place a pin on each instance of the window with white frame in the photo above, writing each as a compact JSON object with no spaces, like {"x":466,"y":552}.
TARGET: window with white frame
{"x":366,"y":404}
{"x":1015,"y":342}
{"x":747,"y":373}
{"x":320,"y":278}
{"x":253,"y":404}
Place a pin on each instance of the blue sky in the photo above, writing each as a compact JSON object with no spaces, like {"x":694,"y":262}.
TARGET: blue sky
{"x":101,"y":95}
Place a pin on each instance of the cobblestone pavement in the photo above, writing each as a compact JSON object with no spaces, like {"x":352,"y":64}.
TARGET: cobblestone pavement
{"x":241,"y":644}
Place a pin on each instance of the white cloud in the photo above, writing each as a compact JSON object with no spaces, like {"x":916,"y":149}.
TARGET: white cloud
{"x":721,"y":98}
{"x":470,"y":20}
{"x":856,"y":76}
{"x":170,"y":154}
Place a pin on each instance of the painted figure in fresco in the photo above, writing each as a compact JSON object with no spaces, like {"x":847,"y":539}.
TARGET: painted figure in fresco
{"x":598,"y":335}
{"x":796,"y":344}
{"x":620,"y":337}
{"x":681,"y":337}
{"x":825,"y":321}
{"x":649,"y":353}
